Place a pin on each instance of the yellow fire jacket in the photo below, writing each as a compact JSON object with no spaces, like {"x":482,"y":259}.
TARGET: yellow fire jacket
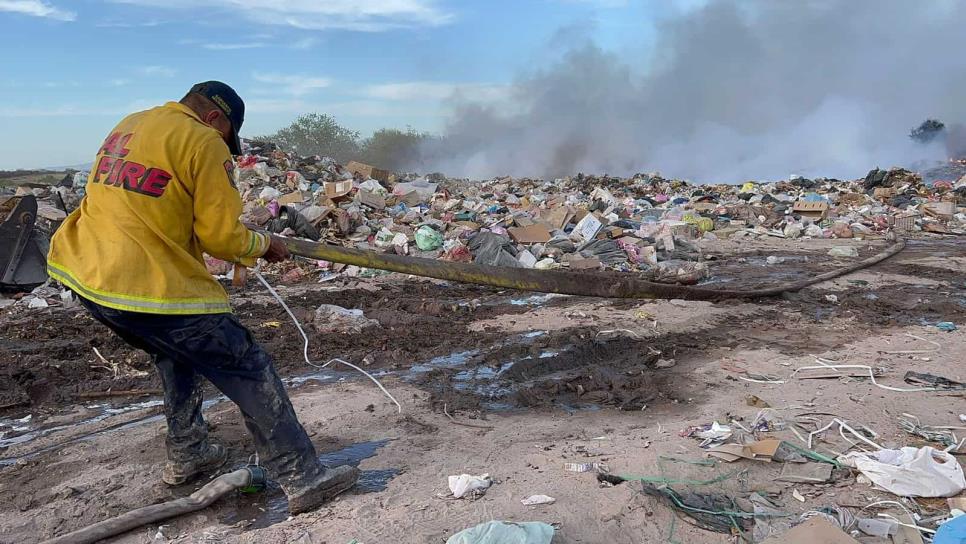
{"x":159,"y":194}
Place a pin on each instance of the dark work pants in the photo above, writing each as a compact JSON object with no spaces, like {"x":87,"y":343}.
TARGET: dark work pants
{"x":220,"y":348}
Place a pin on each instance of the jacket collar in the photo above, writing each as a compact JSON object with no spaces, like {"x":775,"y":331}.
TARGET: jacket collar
{"x":184,"y":109}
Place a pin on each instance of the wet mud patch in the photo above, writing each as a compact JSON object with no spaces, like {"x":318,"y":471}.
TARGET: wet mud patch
{"x":578,"y":368}
{"x":49,"y":360}
{"x":877,"y":307}
{"x":271,"y":505}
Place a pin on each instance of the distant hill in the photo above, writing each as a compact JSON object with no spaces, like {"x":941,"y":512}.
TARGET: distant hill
{"x":80,"y":167}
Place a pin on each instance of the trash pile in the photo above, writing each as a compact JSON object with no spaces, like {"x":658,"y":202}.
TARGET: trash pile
{"x":644,"y":224}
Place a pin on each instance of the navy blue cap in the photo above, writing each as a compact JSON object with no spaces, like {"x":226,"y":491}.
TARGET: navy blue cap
{"x":227,"y":101}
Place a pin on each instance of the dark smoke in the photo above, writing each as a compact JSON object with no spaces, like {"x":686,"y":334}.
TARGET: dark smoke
{"x":733,"y":91}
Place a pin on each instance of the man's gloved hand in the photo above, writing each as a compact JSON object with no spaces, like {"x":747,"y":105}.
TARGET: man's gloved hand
{"x":276,"y":251}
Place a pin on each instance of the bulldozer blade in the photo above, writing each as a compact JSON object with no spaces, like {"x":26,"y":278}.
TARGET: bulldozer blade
{"x":22,"y":263}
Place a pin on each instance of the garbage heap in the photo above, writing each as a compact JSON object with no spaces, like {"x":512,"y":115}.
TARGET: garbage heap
{"x":644,"y":224}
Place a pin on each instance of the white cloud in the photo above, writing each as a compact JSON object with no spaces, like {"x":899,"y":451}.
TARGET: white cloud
{"x":130,"y":24}
{"x":295,"y":85}
{"x":304,"y":43}
{"x":72,"y":110}
{"x":233,"y":46}
{"x":266,"y":106}
{"x":352,"y":108}
{"x":119,"y":82}
{"x":433,"y":90}
{"x":159,"y":71}
{"x":365,"y":16}
{"x":37,"y":8}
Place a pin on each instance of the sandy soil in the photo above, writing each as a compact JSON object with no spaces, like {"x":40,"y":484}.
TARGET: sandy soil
{"x":590,"y":381}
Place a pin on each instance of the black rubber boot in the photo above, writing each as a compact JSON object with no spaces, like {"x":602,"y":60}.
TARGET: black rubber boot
{"x":323,"y":488}
{"x":180,"y":472}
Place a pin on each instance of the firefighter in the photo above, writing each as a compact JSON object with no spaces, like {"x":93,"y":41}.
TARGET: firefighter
{"x":160,"y":194}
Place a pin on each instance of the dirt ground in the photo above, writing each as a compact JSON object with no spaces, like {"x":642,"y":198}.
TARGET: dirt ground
{"x":506,"y":383}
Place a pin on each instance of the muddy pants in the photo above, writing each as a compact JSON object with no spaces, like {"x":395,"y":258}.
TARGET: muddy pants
{"x":222,"y":350}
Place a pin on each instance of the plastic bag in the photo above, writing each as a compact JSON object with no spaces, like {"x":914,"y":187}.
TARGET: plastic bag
{"x":467,"y":484}
{"x":428,"y":238}
{"x":505,"y":532}
{"x":911,"y":472}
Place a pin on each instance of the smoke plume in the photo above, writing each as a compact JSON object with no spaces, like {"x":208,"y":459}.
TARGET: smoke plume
{"x":729,"y":92}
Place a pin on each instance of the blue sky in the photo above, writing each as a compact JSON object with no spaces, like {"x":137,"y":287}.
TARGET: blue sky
{"x":72,"y":68}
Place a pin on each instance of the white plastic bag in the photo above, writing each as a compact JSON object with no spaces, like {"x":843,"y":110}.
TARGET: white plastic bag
{"x":467,"y":484}
{"x":911,"y":472}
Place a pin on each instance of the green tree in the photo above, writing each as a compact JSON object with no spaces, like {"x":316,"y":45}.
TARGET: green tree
{"x":317,"y":134}
{"x":393,"y":149}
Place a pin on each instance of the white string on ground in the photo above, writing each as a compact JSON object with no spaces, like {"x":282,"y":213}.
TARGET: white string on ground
{"x":824,"y":366}
{"x":305,"y":349}
{"x":912,"y":351}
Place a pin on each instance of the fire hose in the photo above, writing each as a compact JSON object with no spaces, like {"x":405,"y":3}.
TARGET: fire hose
{"x":608,"y":285}
{"x":250,"y":479}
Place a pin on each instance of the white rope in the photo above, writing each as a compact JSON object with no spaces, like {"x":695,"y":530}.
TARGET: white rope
{"x":910,"y":351}
{"x":305,"y":349}
{"x":823,"y":366}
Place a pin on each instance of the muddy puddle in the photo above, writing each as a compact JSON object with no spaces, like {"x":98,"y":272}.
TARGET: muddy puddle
{"x":271,"y":506}
{"x":20,"y":431}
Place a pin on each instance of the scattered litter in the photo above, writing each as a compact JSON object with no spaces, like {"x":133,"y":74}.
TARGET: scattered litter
{"x":882,"y":528}
{"x":809,"y":473}
{"x":756,"y":401}
{"x":586,"y":467}
{"x":535,"y":500}
{"x":946,"y":326}
{"x":762,"y":450}
{"x":332,"y":318}
{"x":709,"y":434}
{"x":711,"y":511}
{"x":843,"y":251}
{"x":505,"y":532}
{"x":469,"y":485}
{"x":816,"y":530}
{"x":910,"y":472}
{"x":798,"y":496}
{"x":952,"y":531}
{"x":937,"y":382}
{"x":942,"y":435}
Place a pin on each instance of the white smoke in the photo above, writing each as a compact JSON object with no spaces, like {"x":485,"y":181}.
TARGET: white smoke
{"x":732,"y":91}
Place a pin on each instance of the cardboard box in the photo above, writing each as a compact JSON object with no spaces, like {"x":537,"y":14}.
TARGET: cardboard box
{"x":812,"y":210}
{"x":533,"y":234}
{"x":558,"y":218}
{"x":883,"y":193}
{"x":942,"y":210}
{"x":368,"y":171}
{"x":587,"y":227}
{"x":337,"y":191}
{"x":371,"y":199}
{"x":291,"y":198}
{"x":905,"y":223}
